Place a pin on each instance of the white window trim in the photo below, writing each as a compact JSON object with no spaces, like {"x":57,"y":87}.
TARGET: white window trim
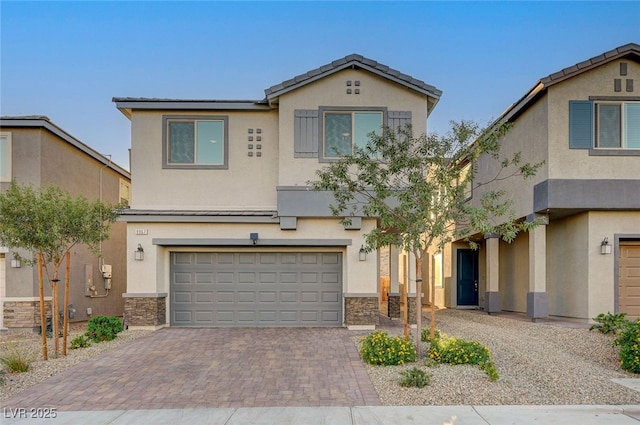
{"x":7,"y":177}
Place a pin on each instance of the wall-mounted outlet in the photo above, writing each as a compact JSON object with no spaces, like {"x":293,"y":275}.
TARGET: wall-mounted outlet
{"x":89,"y":311}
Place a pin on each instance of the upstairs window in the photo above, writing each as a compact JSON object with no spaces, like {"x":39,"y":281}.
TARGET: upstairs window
{"x":195,"y":142}
{"x":604,"y":125}
{"x":5,"y":157}
{"x":617,"y":125}
{"x":345,"y":129}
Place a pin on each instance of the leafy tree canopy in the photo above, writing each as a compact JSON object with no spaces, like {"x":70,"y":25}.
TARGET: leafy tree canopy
{"x":419,"y":186}
{"x":51,"y":221}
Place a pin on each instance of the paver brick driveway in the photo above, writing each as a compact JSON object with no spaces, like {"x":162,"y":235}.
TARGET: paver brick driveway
{"x":189,"y":368}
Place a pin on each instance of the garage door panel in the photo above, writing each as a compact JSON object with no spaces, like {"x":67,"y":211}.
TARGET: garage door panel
{"x":629,"y":280}
{"x":183,"y":297}
{"x":288,"y":316}
{"x":182,"y":316}
{"x":224,"y":317}
{"x":309,"y":297}
{"x":183,"y":278}
{"x":256,"y":289}
{"x":330,"y":297}
{"x":224,"y":278}
{"x":224,"y":297}
{"x":204,"y":297}
{"x":204,"y":278}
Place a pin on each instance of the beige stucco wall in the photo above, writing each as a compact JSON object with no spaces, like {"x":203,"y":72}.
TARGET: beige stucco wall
{"x":597,"y":82}
{"x":568,"y":266}
{"x":331,"y":91}
{"x":152,"y":274}
{"x":602,"y":268}
{"x":248,"y":184}
{"x":528,"y":138}
{"x":514,"y":273}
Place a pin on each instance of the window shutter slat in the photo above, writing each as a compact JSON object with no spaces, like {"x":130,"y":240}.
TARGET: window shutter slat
{"x":580,"y":124}
{"x":398,"y":119}
{"x":305,"y":137}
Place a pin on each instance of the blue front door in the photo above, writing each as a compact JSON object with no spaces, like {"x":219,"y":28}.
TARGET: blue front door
{"x":467,"y":277}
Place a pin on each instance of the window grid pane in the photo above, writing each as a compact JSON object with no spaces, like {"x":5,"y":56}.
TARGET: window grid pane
{"x":609,"y":126}
{"x":181,"y":143}
{"x":337,"y":135}
{"x":366,"y":123}
{"x":632,"y":125}
{"x":210,"y":149}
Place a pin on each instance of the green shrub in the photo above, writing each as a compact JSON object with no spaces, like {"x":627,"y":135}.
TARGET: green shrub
{"x":103,"y":328}
{"x":414,"y":377}
{"x":80,"y":341}
{"x":15,"y":361}
{"x":457,"y":351}
{"x":425,"y":334}
{"x":378,"y":348}
{"x":609,"y":323}
{"x":629,"y":342}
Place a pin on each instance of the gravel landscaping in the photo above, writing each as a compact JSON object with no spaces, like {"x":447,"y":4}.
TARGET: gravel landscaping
{"x":537,"y":363}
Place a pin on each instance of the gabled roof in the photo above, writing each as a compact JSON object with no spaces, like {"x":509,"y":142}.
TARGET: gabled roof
{"x":355,"y":61}
{"x":127,"y":104}
{"x":629,"y":51}
{"x":41,"y":121}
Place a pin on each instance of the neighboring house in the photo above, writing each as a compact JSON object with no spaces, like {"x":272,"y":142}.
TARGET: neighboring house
{"x":584,"y":123}
{"x":34,"y":151}
{"x":224,"y":228}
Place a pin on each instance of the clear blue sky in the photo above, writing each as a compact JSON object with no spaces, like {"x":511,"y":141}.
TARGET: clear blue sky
{"x":67,"y":60}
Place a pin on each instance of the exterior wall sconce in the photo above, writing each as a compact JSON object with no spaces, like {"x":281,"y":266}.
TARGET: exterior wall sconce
{"x":254,"y":238}
{"x":139,"y":253}
{"x":362,"y":254}
{"x":605,"y":248}
{"x":15,"y":263}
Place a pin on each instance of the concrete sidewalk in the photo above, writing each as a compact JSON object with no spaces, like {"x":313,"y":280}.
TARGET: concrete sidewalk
{"x":381,"y":415}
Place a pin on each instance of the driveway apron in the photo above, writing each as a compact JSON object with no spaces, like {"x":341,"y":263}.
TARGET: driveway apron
{"x":193,"y":368}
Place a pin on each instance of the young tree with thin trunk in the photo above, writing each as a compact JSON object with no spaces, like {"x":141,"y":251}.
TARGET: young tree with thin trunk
{"x":418,"y":189}
{"x":48,"y":224}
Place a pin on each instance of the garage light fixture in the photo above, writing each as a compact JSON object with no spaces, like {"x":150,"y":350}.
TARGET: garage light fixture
{"x":254,"y":238}
{"x":605,"y":248}
{"x":362,"y":254}
{"x":139,"y":253}
{"x":15,"y":263}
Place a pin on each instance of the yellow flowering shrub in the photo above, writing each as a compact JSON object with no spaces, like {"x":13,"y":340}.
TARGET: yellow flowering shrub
{"x":378,"y":348}
{"x":447,"y":349}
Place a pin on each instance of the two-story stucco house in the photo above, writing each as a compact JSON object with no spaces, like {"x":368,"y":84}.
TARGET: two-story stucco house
{"x":224,"y":229}
{"x":584,"y":123}
{"x":35,"y":151}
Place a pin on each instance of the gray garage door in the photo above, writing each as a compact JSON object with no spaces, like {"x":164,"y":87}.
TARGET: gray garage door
{"x":256,"y":289}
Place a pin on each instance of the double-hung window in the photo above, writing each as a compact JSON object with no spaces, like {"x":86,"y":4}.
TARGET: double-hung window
{"x":344,"y":130}
{"x":5,"y":157}
{"x":604,"y":125}
{"x":195,"y":142}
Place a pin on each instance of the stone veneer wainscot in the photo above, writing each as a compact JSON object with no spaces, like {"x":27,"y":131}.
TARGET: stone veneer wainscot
{"x":147,"y":310}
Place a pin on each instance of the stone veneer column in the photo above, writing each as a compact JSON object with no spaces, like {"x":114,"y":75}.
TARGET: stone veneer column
{"x":537,"y":297}
{"x":145,"y":310}
{"x":361,"y":311}
{"x":492,"y":295}
{"x":24,"y":314}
